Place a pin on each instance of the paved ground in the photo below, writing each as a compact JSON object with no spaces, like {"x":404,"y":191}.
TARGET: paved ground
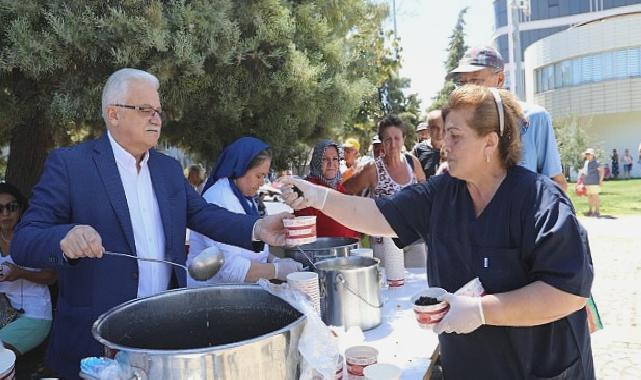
{"x":616,"y":252}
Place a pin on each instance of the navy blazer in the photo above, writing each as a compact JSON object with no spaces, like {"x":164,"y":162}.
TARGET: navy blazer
{"x":82,"y":185}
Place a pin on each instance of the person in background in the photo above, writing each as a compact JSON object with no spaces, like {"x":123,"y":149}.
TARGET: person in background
{"x":233,"y":184}
{"x":351,"y":149}
{"x":593,"y":180}
{"x":614,"y":158}
{"x":429,"y":153}
{"x":627,"y":164}
{"x":26,"y":288}
{"x":323,"y":171}
{"x":443,"y":167}
{"x":377,"y":147}
{"x":483,"y":66}
{"x":422,"y":133}
{"x":491,"y":219}
{"x":118,"y":193}
{"x":196,"y":177}
{"x":386,"y":176}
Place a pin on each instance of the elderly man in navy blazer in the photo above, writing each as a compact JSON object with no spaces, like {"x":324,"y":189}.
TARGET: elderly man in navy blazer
{"x":118,"y":193}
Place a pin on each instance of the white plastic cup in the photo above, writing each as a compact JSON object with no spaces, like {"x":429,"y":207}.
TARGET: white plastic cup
{"x":7,"y":363}
{"x":300,"y":230}
{"x":306,"y":282}
{"x":382,"y":372}
{"x":362,"y":252}
{"x":394,"y":264}
{"x":429,"y":315}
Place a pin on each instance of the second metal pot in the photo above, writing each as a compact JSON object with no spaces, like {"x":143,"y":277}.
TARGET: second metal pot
{"x":350,"y":292}
{"x":323,"y":248}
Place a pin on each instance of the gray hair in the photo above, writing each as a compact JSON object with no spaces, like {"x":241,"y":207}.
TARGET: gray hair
{"x":115,"y":89}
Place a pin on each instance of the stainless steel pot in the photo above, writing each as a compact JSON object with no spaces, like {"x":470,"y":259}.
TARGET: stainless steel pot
{"x":221,"y":332}
{"x":323,"y":248}
{"x":350,"y":292}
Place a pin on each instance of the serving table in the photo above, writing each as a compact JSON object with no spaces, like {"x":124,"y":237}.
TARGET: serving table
{"x":398,"y":339}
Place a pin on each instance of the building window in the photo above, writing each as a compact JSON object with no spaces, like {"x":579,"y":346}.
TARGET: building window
{"x":558,"y":76}
{"x":586,"y":69}
{"x":607,"y":63}
{"x":592,"y":68}
{"x":553,"y":3}
{"x":621,"y":64}
{"x":634,"y":62}
{"x":576,"y":71}
{"x":566,"y":69}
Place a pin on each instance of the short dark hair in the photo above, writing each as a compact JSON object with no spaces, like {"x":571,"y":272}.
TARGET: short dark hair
{"x":391,"y":121}
{"x":7,"y":188}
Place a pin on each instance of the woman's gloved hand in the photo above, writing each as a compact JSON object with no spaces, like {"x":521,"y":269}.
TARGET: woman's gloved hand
{"x":312,"y":195}
{"x":464,"y":316}
{"x":283,"y":267}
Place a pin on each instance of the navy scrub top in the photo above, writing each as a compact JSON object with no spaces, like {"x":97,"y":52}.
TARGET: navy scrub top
{"x":528,"y":232}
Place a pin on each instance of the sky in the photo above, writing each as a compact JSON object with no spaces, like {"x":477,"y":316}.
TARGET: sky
{"x":424,"y":27}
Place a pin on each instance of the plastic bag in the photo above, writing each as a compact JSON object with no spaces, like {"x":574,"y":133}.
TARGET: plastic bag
{"x":317,"y":345}
{"x":104,"y":369}
{"x":580,"y":189}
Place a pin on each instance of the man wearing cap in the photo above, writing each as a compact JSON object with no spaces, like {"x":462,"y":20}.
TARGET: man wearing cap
{"x":428,"y":152}
{"x":483,"y":66}
{"x":350,"y":149}
{"x":422,"y":133}
{"x":377,"y":147}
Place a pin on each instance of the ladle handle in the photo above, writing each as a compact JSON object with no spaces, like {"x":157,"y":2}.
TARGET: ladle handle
{"x":144,"y":259}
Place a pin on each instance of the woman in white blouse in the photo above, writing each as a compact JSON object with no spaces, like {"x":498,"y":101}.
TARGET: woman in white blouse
{"x":233,"y":184}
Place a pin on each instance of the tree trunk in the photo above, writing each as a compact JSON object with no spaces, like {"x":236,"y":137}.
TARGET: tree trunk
{"x":30,"y":143}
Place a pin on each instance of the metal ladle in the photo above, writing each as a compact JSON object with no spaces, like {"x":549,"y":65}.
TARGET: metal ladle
{"x":202,"y":267}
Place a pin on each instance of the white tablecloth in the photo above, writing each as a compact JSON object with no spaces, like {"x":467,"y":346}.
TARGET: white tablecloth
{"x":398,"y":339}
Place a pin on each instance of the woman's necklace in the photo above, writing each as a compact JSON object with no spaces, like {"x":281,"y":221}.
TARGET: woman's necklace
{"x":4,"y":238}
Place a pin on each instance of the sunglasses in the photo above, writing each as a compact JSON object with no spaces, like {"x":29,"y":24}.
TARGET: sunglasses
{"x":9,"y":207}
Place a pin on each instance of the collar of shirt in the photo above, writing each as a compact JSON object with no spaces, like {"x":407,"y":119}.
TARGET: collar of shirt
{"x":123,"y":157}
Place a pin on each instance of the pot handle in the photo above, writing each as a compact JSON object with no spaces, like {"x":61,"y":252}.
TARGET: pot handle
{"x":340,"y":280}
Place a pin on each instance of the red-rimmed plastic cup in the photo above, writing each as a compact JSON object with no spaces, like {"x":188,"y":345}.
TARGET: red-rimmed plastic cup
{"x":359,"y":357}
{"x":428,"y":316}
{"x":300,"y":230}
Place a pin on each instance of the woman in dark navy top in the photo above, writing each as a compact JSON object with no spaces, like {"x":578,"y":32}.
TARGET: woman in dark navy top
{"x":489,"y":218}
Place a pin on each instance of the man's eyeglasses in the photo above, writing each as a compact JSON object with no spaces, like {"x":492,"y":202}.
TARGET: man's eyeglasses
{"x":9,"y":207}
{"x":145,"y":109}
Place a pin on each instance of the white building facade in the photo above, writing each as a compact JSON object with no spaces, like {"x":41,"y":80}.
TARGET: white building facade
{"x":592,"y":73}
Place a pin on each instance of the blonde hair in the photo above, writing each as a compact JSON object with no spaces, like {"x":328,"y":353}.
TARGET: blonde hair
{"x":485,"y":117}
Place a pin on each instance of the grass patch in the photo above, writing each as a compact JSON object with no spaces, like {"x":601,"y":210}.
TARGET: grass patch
{"x":618,"y":197}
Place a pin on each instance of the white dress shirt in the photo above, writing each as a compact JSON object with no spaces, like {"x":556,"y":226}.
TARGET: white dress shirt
{"x":149,"y":235}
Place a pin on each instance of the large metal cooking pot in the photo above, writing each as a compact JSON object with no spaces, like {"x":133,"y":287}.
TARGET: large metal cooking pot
{"x":323,"y":248}
{"x":350,"y":292}
{"x":220,"y":332}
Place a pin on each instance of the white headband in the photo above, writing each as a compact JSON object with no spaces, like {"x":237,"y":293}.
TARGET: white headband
{"x":499,"y":109}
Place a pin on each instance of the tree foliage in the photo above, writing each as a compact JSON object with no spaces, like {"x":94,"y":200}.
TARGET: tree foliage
{"x":572,"y":141}
{"x":455,"y":51}
{"x":284,"y":71}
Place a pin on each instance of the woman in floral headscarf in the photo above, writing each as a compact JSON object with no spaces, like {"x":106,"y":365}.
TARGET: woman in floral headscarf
{"x":324,"y":171}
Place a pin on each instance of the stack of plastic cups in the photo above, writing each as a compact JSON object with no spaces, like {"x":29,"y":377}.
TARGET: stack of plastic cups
{"x":394,"y":264}
{"x":306,"y":282}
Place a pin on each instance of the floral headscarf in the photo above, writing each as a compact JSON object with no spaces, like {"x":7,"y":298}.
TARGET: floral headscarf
{"x":316,"y":165}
